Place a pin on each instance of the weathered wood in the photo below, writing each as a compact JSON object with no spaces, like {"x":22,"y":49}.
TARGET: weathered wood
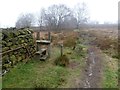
{"x":49,"y":37}
{"x":38,"y":35}
{"x":37,"y":47}
{"x":41,"y":51}
{"x":61,"y":49}
{"x":49,"y":51}
{"x":44,"y":57}
{"x":42,"y":41}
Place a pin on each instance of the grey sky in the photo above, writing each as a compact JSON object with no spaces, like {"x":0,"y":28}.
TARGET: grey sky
{"x":99,"y":10}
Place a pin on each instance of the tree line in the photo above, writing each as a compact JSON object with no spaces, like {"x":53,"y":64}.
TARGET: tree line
{"x":56,"y":17}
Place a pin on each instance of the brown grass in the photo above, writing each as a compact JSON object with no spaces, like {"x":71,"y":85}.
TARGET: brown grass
{"x":106,"y":40}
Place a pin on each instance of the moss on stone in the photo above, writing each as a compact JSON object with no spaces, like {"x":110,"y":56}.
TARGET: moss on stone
{"x":12,"y":39}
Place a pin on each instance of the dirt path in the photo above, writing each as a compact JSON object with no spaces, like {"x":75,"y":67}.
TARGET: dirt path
{"x":93,"y":70}
{"x":92,"y":73}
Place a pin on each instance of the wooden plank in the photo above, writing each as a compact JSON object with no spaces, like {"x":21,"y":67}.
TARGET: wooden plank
{"x":42,"y":50}
{"x":43,"y":41}
{"x":44,"y":57}
{"x":49,"y":51}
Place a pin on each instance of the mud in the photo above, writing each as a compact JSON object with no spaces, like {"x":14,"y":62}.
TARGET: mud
{"x":92,"y":73}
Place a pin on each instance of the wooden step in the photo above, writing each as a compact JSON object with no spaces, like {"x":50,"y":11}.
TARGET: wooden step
{"x":43,"y":58}
{"x":43,"y":41}
{"x":41,"y":51}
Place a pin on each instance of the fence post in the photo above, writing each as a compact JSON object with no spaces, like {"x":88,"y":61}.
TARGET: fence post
{"x":49,"y":38}
{"x":38,"y":38}
{"x":61,"y":49}
{"x":38,"y":35}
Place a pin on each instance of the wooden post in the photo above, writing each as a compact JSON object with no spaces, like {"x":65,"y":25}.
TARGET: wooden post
{"x":61,"y":49}
{"x":49,"y":38}
{"x":38,"y":38}
{"x":38,"y":35}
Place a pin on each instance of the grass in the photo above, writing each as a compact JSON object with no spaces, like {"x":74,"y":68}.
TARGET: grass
{"x":52,"y":78}
{"x":107,"y":42}
{"x":34,"y":74}
{"x":0,"y":82}
{"x":19,"y":76}
{"x":39,"y":74}
{"x":62,"y":61}
{"x":110,"y":79}
{"x":75,"y":70}
{"x":109,"y":46}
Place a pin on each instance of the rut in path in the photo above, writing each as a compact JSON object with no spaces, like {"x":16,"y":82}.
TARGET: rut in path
{"x":92,"y":73}
{"x":93,"y":70}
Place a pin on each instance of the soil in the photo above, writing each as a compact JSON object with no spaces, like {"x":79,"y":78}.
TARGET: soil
{"x":92,"y":73}
{"x":93,"y":70}
{"x":73,"y":64}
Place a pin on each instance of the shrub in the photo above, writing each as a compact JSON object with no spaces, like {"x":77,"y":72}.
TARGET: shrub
{"x":62,"y":61}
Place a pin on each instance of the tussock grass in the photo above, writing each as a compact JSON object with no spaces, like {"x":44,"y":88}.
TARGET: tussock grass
{"x":62,"y":61}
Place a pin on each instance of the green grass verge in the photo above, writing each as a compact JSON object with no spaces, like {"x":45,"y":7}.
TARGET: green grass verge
{"x":52,"y":78}
{"x":0,"y":82}
{"x":19,"y":76}
{"x":39,"y":74}
{"x":110,"y":79}
{"x":28,"y":76}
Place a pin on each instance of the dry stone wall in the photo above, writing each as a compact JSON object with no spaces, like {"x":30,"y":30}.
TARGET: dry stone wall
{"x":17,"y":45}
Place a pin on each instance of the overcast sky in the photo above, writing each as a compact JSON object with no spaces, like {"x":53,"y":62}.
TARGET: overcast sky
{"x":99,"y":10}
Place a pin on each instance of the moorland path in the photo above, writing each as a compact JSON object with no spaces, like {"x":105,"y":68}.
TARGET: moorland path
{"x":92,"y":73}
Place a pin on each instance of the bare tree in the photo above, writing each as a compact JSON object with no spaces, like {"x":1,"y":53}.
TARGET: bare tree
{"x":58,"y":17}
{"x":55,"y":15}
{"x":69,"y":22}
{"x":81,"y":14}
{"x":25,"y":20}
{"x":41,"y":18}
